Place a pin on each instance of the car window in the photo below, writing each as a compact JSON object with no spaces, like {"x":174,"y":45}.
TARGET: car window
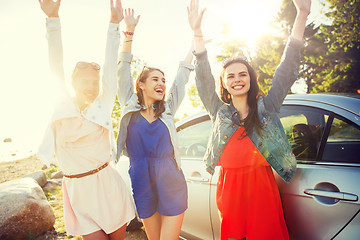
{"x":193,"y":139}
{"x":304,"y":127}
{"x":343,"y":142}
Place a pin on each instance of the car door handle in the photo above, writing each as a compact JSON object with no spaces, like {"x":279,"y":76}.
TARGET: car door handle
{"x":197,"y":179}
{"x":337,"y":195}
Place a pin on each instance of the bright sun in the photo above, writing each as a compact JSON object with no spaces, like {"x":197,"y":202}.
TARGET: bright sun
{"x":250,"y":20}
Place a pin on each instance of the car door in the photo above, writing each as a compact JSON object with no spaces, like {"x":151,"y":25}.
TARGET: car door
{"x":321,"y":201}
{"x":193,"y":137}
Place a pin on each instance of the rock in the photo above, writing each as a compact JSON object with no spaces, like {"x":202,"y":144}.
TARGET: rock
{"x":24,"y":211}
{"x":38,"y":176}
{"x":7,"y":140}
{"x":51,"y":184}
{"x":58,"y":174}
{"x":58,"y":181}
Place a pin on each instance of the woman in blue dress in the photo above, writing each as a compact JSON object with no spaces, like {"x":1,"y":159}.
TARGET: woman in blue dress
{"x":147,"y":135}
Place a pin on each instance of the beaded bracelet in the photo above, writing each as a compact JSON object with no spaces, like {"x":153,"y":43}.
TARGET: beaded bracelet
{"x":128,"y":33}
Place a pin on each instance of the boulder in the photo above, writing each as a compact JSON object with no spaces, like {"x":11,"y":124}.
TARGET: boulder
{"x":24,"y":211}
{"x":51,"y":184}
{"x":58,"y":174}
{"x":38,"y":176}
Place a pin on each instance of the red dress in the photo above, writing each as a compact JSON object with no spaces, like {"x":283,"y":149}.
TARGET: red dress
{"x":247,"y":196}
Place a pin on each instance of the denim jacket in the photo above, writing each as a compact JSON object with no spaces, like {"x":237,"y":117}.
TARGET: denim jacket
{"x":272,"y":143}
{"x":129,"y":101}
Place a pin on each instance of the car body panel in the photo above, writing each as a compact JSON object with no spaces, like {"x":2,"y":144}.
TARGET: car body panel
{"x":305,"y":224}
{"x":198,"y":183}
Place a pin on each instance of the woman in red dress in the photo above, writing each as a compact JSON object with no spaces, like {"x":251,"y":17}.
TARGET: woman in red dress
{"x":247,"y":138}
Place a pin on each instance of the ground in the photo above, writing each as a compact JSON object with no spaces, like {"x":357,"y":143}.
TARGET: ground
{"x":16,"y":169}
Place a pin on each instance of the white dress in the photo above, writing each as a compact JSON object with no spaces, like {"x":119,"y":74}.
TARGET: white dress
{"x":97,"y":201}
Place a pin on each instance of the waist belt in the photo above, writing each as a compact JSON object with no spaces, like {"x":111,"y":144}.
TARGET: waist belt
{"x":87,"y":173}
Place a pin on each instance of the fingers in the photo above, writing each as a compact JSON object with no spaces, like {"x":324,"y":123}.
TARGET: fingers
{"x":118,"y":3}
{"x":202,"y":14}
{"x":129,"y":12}
{"x":192,"y":5}
{"x":137,"y":19}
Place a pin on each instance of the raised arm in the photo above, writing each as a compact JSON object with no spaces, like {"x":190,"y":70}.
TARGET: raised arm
{"x":53,"y":35}
{"x":303,"y":10}
{"x":177,"y":91}
{"x":195,"y":19}
{"x":205,"y":81}
{"x":286,"y":73}
{"x":125,"y":81}
{"x":111,"y":53}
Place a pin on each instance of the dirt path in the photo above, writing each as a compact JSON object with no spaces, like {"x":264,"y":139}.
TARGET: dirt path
{"x":17,"y":169}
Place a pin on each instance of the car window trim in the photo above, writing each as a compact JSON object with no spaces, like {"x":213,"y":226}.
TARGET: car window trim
{"x":193,"y":122}
{"x":288,"y":102}
{"x":340,"y":164}
{"x":325,"y":136}
{"x":192,"y":158}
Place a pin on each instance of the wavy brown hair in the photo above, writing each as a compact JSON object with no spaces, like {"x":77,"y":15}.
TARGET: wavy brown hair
{"x":252,"y":120}
{"x":158,"y":105}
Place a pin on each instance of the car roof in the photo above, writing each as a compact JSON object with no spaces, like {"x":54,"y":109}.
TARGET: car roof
{"x":348,"y":102}
{"x":200,"y":114}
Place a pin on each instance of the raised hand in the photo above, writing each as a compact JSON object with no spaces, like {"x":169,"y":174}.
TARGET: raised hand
{"x":116,"y":11}
{"x":194,"y":16}
{"x":130,"y":19}
{"x":303,"y":10}
{"x":302,"y":6}
{"x":50,"y":7}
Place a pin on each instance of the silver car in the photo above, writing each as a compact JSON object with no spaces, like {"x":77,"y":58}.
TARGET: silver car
{"x":322,"y":199}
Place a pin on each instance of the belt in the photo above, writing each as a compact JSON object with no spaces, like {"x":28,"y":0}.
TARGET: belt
{"x":87,"y":173}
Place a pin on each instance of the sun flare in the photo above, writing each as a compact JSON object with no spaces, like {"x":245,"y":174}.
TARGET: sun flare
{"x":250,"y":20}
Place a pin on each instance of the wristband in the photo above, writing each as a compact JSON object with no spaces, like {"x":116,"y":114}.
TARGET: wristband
{"x":128,"y":33}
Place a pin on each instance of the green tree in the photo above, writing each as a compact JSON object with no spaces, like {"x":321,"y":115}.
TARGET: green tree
{"x":336,"y":68}
{"x":267,"y":58}
{"x":269,"y":48}
{"x":194,"y":97}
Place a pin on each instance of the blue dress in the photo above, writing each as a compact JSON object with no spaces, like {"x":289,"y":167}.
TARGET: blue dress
{"x":156,"y":183}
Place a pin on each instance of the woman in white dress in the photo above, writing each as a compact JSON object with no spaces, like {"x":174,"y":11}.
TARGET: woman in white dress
{"x":97,"y":204}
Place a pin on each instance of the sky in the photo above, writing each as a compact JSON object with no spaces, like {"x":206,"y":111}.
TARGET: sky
{"x":162,"y":39}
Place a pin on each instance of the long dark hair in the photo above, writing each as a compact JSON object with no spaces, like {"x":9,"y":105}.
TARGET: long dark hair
{"x":158,"y":105}
{"x":252,"y":120}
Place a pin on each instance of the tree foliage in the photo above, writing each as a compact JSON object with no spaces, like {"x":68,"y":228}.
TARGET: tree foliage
{"x":334,"y":54}
{"x":331,"y":54}
{"x":194,"y":97}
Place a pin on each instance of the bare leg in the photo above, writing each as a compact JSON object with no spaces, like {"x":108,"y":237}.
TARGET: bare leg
{"x":118,"y":234}
{"x":98,"y":235}
{"x":153,"y":226}
{"x":171,"y":226}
